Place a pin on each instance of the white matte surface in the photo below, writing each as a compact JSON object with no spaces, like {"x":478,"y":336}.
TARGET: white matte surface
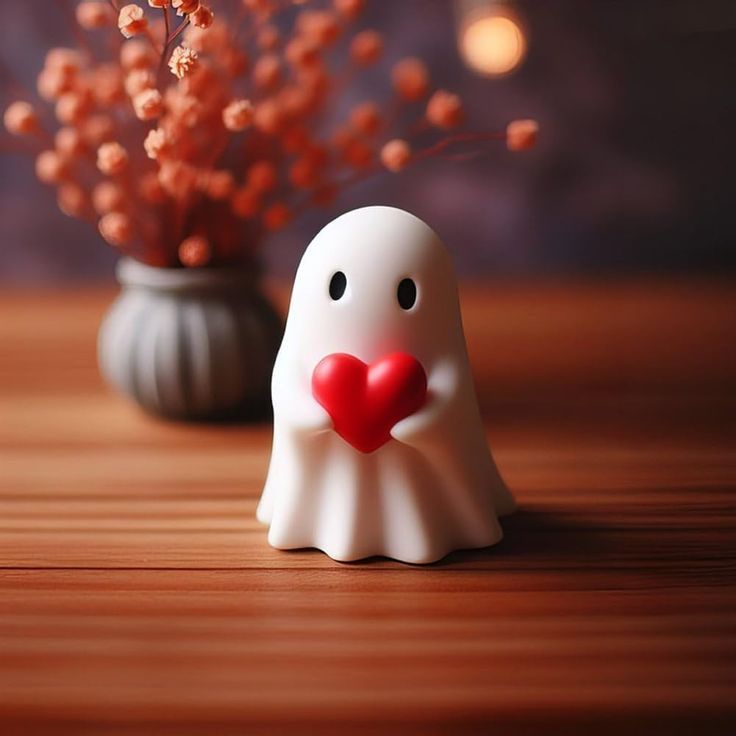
{"x":434,"y":487}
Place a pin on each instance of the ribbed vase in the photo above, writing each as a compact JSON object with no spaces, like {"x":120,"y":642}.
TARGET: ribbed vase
{"x":190,"y":343}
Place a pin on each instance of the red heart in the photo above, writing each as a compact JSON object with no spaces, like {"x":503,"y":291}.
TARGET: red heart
{"x":365,"y":401}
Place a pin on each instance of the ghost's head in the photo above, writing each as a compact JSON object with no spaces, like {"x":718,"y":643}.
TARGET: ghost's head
{"x":375,"y":280}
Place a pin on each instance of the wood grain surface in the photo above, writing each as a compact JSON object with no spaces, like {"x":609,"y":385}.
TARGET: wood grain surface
{"x":138,"y":594}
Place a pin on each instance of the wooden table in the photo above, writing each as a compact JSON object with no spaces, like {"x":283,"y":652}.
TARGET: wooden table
{"x":138,"y":594}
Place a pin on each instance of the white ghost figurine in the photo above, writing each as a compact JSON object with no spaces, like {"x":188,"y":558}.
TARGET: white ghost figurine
{"x":378,"y":447}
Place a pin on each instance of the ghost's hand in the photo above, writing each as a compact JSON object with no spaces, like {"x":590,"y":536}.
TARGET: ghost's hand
{"x":414,"y":428}
{"x":419,"y":429}
{"x":311,"y":417}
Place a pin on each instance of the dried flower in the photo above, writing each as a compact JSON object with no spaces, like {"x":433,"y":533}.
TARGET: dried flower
{"x":396,"y":154}
{"x":182,"y":61}
{"x":116,"y":228}
{"x":319,"y":26}
{"x":92,"y":14}
{"x":108,"y":196}
{"x":202,"y":17}
{"x":445,"y":110}
{"x":72,"y":107}
{"x":410,"y":79}
{"x":65,"y":61}
{"x":50,"y":168}
{"x":184,"y":7}
{"x":72,"y":199}
{"x":262,"y":177}
{"x":245,"y":202}
{"x":178,"y":179}
{"x":219,"y":184}
{"x":269,"y":38}
{"x":148,"y":104}
{"x":238,"y":115}
{"x":131,"y":20}
{"x":304,"y":172}
{"x":277,"y":216}
{"x":20,"y":119}
{"x":139,"y":80}
{"x":150,"y":189}
{"x":68,"y":142}
{"x":350,"y":9}
{"x":155,"y":143}
{"x":366,"y":48}
{"x":358,"y":155}
{"x":112,"y":158}
{"x":97,"y":129}
{"x":521,"y":135}
{"x":365,"y":118}
{"x":195,"y":251}
{"x":267,"y":72}
{"x":269,"y":117}
{"x":136,"y":54}
{"x":107,"y":84}
{"x":51,"y":83}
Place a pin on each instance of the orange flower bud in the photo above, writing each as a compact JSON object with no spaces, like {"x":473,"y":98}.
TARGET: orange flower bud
{"x":366,"y":48}
{"x":195,"y":251}
{"x":304,"y":172}
{"x":52,"y":83}
{"x":155,"y":143}
{"x":262,"y":177}
{"x":521,"y":135}
{"x":365,"y":118}
{"x":112,"y":158}
{"x":91,"y":14}
{"x":107,"y":84}
{"x":182,"y":61}
{"x":395,"y":155}
{"x":350,"y":9}
{"x":445,"y":110}
{"x":150,"y":189}
{"x":148,"y":104}
{"x":68,"y":143}
{"x":72,"y":199}
{"x":269,"y":38}
{"x":410,"y":79}
{"x":238,"y":115}
{"x":136,"y":55}
{"x":358,"y":155}
{"x":301,"y":52}
{"x":269,"y":117}
{"x":97,"y":129}
{"x":245,"y":203}
{"x":184,"y":7}
{"x":267,"y":72}
{"x":202,"y":17}
{"x":107,"y":196}
{"x":131,"y":20}
{"x":139,"y":80}
{"x":319,"y":26}
{"x":50,"y":167}
{"x":115,"y":228}
{"x":72,"y":107}
{"x":277,"y":216}
{"x":20,"y":119}
{"x":219,"y":184}
{"x":65,"y":61}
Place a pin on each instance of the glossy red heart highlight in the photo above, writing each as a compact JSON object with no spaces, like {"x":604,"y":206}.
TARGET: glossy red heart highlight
{"x":365,"y":401}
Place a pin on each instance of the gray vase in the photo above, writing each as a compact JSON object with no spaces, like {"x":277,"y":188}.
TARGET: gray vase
{"x":190,"y":343}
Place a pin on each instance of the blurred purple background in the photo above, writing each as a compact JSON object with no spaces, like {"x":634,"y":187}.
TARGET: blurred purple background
{"x":633,"y":171}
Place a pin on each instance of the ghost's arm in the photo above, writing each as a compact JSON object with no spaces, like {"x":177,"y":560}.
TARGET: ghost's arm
{"x":293,"y":403}
{"x":442,"y":386}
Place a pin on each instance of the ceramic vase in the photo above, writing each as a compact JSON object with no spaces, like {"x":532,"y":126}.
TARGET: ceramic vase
{"x":190,"y":343}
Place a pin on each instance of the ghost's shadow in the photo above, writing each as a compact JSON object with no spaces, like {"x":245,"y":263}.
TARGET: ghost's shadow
{"x":539,"y":537}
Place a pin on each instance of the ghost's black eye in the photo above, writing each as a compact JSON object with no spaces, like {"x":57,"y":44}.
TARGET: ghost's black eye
{"x":338,"y":283}
{"x":406,"y":293}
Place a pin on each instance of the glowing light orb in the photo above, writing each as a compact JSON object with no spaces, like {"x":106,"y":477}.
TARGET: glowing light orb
{"x":492,"y":44}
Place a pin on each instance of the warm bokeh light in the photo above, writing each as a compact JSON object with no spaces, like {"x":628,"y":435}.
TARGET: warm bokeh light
{"x":492,"y":43}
